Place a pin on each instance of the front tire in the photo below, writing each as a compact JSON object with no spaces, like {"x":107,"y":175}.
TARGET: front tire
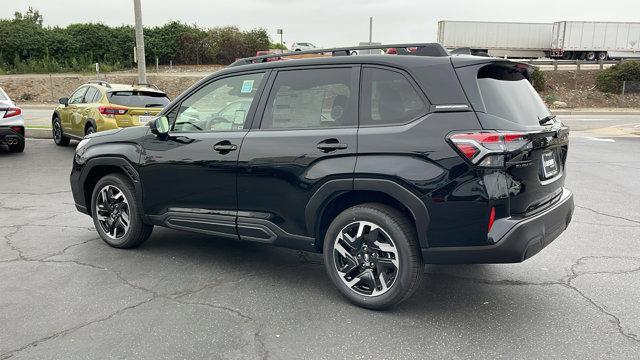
{"x":371,"y":254}
{"x":58,"y":135}
{"x":115,"y":213}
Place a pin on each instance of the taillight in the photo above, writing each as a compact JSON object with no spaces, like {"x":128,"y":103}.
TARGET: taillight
{"x":12,"y":111}
{"x":488,"y":148}
{"x":111,"y":111}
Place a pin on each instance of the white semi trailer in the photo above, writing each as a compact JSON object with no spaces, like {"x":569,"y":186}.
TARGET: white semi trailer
{"x":586,"y":40}
{"x":593,"y":40}
{"x":500,"y":39}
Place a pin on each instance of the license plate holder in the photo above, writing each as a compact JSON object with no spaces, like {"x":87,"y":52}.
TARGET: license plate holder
{"x":549,"y":164}
{"x":143,"y":119}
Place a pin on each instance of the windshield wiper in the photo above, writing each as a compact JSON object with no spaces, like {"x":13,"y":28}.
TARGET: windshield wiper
{"x":152,"y":105}
{"x":546,"y":119}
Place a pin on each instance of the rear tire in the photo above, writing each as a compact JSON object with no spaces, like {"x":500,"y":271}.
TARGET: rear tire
{"x":19,"y":147}
{"x":590,"y":56}
{"x":58,"y":135}
{"x":89,"y":130}
{"x":113,"y":197}
{"x":382,"y":265}
{"x":602,"y":55}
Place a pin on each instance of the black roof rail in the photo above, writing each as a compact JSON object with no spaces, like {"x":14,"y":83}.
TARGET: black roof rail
{"x":100,"y":82}
{"x":423,"y":49}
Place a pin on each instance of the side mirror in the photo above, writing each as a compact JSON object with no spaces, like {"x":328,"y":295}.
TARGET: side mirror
{"x":64,"y":101}
{"x":160,"y":126}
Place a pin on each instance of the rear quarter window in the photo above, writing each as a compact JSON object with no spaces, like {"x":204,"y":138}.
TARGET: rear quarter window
{"x":142,"y":99}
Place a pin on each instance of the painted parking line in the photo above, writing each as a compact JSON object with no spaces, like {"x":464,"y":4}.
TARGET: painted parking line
{"x":598,"y":139}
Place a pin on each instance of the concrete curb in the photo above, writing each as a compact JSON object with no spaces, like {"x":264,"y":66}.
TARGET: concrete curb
{"x":38,"y":133}
{"x":587,"y":112}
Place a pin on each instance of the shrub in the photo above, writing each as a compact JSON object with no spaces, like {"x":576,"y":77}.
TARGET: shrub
{"x":549,"y":99}
{"x":537,"y":79}
{"x":610,"y":80}
{"x":28,"y":47}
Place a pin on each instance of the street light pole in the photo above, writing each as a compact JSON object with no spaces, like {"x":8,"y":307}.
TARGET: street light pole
{"x":142,"y":65}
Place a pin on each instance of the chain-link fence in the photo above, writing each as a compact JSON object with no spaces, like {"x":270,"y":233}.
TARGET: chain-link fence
{"x":629,"y":94}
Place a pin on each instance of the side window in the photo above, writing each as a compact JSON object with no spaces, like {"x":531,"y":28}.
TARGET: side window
{"x":388,"y":98}
{"x":313,"y":98}
{"x":91,"y":93}
{"x":219,"y":106}
{"x":78,"y":96}
{"x":97,"y":97}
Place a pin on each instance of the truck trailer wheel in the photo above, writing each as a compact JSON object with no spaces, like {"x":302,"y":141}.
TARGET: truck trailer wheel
{"x":590,"y":55}
{"x":602,"y":55}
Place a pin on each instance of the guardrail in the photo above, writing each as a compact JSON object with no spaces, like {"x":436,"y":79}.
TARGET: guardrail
{"x":577,"y":63}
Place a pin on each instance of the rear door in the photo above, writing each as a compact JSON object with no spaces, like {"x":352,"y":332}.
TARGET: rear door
{"x":306,"y":135}
{"x":85,"y":109}
{"x":504,"y":99}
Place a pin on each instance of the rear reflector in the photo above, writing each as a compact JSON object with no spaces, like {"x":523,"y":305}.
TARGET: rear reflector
{"x":12,"y":111}
{"x":492,"y":218}
{"x":487,"y":149}
{"x":107,"y":110}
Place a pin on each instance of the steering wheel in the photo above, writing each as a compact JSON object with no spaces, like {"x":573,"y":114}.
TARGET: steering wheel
{"x":218,"y":120}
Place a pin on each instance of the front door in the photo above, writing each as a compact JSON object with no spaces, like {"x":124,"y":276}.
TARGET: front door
{"x":306,"y":136}
{"x":189,"y":179}
{"x":69,"y":113}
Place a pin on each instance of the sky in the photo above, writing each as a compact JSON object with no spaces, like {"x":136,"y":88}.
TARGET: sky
{"x":329,"y":22}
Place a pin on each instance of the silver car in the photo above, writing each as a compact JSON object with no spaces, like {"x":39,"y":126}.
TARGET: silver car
{"x":302,"y":46}
{"x":11,"y":124}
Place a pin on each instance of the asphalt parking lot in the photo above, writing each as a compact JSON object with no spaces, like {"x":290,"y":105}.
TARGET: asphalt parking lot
{"x":64,"y":294}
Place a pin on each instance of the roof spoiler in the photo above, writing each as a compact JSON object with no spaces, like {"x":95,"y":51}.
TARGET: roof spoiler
{"x":422,"y":49}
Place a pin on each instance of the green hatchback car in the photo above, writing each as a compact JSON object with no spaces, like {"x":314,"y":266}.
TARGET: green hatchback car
{"x":99,"y":105}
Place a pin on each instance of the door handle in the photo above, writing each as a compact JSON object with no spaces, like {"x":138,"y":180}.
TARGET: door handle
{"x":224,"y":147}
{"x":329,"y":145}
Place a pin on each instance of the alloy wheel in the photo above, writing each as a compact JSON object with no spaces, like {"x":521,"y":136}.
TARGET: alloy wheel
{"x":113,"y":212}
{"x":366,"y":258}
{"x":57,"y":131}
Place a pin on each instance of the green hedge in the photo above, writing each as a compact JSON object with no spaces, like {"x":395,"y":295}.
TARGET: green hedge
{"x":27,"y":46}
{"x":611,"y":79}
{"x":537,"y":79}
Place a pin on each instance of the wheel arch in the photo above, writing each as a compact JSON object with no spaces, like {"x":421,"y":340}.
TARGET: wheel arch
{"x":91,"y":122}
{"x":337,"y":195}
{"x":97,"y":168}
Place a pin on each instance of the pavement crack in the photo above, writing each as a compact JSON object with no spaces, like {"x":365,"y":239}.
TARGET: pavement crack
{"x":10,"y":353}
{"x":63,"y":251}
{"x":600,"y":308}
{"x":257,"y":334}
{"x":608,"y":215}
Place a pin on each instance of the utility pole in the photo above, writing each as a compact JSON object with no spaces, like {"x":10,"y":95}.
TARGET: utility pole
{"x":142,"y":66}
{"x":370,"y":30}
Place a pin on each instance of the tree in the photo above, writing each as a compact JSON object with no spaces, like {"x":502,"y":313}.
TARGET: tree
{"x":32,"y":15}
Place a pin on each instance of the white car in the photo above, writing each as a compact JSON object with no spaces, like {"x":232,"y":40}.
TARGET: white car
{"x":302,"y":46}
{"x":11,"y":124}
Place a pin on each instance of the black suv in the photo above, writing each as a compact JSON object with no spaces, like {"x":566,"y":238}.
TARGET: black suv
{"x":380,"y":162}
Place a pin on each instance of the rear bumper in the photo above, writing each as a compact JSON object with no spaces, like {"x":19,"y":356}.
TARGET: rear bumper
{"x":8,"y":135}
{"x":524,"y":239}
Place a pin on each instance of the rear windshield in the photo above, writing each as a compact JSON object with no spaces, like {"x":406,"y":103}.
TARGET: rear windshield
{"x":2,"y":97}
{"x":507,"y":94}
{"x":143,"y":99}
